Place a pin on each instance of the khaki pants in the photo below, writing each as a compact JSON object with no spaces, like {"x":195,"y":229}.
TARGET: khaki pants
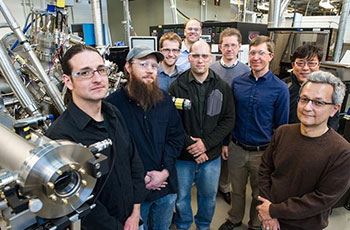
{"x":243,"y":164}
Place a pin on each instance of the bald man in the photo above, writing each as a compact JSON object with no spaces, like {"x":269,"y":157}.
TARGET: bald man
{"x":209,"y":121}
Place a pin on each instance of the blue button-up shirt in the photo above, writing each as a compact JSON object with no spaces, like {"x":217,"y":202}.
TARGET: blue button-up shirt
{"x":164,"y":80}
{"x":261,"y":106}
{"x":182,"y":62}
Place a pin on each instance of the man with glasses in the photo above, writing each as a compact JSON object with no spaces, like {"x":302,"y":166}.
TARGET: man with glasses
{"x":192,"y":32}
{"x":299,"y":183}
{"x":305,"y":60}
{"x":228,"y":68}
{"x":208,"y":122}
{"x":156,"y":128}
{"x":170,"y":45}
{"x":88,"y":120}
{"x":262,"y":105}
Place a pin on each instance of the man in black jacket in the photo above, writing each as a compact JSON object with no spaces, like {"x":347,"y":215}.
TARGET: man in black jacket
{"x":88,"y":120}
{"x":209,"y":121}
{"x":305,"y":60}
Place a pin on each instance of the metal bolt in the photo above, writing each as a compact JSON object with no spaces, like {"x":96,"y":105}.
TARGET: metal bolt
{"x":98,"y":174}
{"x":84,"y":182}
{"x":53,"y":197}
{"x":59,"y":172}
{"x":71,"y":166}
{"x":77,"y":194}
{"x":97,"y":165}
{"x":65,"y":201}
{"x":98,"y":155}
{"x":50,"y":185}
{"x":82,"y":171}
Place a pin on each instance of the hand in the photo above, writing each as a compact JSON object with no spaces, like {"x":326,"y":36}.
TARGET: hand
{"x":132,"y":223}
{"x":224,"y":152}
{"x":264,"y":209}
{"x":202,"y":158}
{"x":197,"y":148}
{"x":157,"y":179}
{"x":147,"y":179}
{"x":272,"y":224}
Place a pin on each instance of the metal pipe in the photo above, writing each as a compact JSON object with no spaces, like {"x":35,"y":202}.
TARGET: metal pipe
{"x":98,"y":23}
{"x":284,"y":6}
{"x":341,"y":30}
{"x":126,"y":21}
{"x":274,"y":9}
{"x":10,"y":74}
{"x":49,"y":85}
{"x":173,"y":12}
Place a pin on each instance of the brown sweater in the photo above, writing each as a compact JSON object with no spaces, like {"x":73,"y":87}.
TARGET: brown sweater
{"x":304,"y":177}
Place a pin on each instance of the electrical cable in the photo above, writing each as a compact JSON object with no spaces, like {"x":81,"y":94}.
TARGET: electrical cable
{"x":24,"y":31}
{"x":59,"y":51}
{"x":182,"y":14}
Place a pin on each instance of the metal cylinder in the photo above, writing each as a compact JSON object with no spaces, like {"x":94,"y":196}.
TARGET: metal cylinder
{"x":173,"y":12}
{"x":15,"y":82}
{"x":50,"y":87}
{"x":55,"y":172}
{"x":98,"y":22}
{"x":274,"y":9}
{"x":341,"y":30}
{"x":10,"y":159}
{"x":127,"y":21}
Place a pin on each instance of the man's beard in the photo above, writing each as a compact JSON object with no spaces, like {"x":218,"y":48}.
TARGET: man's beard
{"x":147,"y":95}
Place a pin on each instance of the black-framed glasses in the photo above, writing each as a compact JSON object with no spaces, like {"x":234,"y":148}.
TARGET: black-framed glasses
{"x":316,"y":103}
{"x":89,"y":73}
{"x":309,"y":63}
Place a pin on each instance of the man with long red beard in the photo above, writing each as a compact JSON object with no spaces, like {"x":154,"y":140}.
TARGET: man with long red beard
{"x":155,"y":126}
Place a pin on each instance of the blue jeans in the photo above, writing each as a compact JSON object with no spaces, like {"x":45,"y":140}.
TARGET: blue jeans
{"x":206,"y":176}
{"x":157,"y":215}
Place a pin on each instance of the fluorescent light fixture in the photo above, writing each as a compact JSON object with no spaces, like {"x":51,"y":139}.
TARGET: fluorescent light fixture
{"x":326,"y":4}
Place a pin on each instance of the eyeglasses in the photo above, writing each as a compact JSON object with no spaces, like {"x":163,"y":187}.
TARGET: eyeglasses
{"x":89,"y":73}
{"x":315,"y":103}
{"x":197,"y":56}
{"x":227,"y":46}
{"x":309,"y":63}
{"x":260,"y":53}
{"x":196,"y":29}
{"x":167,"y":51}
{"x":144,"y":64}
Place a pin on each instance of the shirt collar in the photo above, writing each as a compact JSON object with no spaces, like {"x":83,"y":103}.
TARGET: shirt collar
{"x":226,"y":66}
{"x":265,"y":76}
{"x":184,"y":47}
{"x":161,"y":70}
{"x":81,"y":118}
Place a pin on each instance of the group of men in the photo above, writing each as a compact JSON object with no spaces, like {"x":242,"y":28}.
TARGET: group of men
{"x":236,"y":125}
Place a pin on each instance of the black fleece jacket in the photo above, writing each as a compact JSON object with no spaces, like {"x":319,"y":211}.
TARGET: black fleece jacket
{"x":218,"y":120}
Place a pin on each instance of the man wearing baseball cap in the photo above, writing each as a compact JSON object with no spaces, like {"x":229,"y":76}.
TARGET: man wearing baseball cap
{"x":156,"y":128}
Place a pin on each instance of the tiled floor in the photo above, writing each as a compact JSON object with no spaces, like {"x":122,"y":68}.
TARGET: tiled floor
{"x":339,"y":220}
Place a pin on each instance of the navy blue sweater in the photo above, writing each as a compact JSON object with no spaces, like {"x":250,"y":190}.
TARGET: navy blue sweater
{"x":158,"y":134}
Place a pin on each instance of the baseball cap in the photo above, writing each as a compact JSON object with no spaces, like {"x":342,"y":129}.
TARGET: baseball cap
{"x":143,"y":51}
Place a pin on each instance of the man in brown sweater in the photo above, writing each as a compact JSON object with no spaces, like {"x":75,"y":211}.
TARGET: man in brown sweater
{"x":305,"y":169}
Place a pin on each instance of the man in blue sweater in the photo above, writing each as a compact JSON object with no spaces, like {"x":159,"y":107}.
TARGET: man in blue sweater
{"x":262,"y":105}
{"x":155,"y":126}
